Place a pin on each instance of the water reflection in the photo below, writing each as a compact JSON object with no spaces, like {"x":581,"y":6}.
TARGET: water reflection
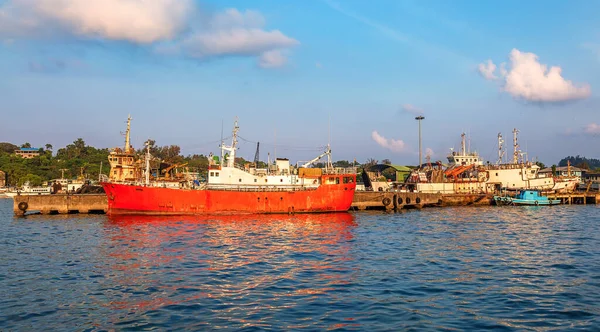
{"x":226,"y":265}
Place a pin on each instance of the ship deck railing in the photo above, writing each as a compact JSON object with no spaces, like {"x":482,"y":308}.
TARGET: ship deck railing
{"x":260,"y":188}
{"x":340,"y":170}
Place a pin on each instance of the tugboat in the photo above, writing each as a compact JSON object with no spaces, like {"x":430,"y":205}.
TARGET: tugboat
{"x":526,"y":197}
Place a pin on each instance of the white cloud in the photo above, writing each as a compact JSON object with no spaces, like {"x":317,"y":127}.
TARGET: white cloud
{"x":487,"y":70}
{"x":163,"y":23}
{"x":272,"y":59}
{"x":408,"y":108}
{"x":592,"y":129}
{"x":129,"y":20}
{"x":233,"y":33}
{"x":236,"y":41}
{"x":231,"y":18}
{"x":528,"y":79}
{"x":388,"y":143}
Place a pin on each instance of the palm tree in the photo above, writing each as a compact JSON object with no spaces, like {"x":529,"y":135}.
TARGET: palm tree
{"x":48,"y":146}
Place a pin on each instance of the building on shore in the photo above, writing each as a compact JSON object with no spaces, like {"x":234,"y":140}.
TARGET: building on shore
{"x":563,"y":171}
{"x":28,"y":153}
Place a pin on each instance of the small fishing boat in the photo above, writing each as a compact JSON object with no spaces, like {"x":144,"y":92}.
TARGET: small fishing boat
{"x":526,"y":197}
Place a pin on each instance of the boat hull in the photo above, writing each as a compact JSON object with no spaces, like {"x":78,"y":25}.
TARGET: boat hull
{"x":506,"y":200}
{"x":137,"y":199}
{"x":535,"y":203}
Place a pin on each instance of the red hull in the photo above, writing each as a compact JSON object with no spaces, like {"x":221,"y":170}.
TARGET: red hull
{"x":136,"y":199}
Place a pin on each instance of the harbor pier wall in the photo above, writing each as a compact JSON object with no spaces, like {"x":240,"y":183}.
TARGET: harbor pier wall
{"x":60,"y":203}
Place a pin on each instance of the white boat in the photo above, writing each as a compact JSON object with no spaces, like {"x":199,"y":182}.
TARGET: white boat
{"x":27,"y":189}
{"x":467,"y":173}
{"x":56,"y":186}
{"x":566,"y":184}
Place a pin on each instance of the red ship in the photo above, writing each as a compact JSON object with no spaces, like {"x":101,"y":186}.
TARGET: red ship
{"x":235,"y":189}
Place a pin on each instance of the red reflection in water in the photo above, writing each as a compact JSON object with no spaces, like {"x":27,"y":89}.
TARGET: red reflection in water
{"x":194,"y":249}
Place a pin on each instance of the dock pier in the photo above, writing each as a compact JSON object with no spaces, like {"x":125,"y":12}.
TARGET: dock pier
{"x":394,"y":201}
{"x":60,"y":204}
{"x":583,"y":198}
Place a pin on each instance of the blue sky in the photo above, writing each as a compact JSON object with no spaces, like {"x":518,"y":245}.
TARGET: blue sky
{"x":298,"y":74}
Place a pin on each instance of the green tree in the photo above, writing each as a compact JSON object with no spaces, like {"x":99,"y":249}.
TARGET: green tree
{"x":540,"y":164}
{"x":26,"y":145}
{"x":8,"y":147}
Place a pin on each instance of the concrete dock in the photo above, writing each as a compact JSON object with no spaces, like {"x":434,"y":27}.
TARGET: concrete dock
{"x":393,"y":201}
{"x":60,"y":204}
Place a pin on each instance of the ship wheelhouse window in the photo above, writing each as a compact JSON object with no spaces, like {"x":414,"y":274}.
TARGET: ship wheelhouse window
{"x":254,"y":180}
{"x":213,"y":174}
{"x":240,"y":180}
{"x":280,"y":180}
{"x":216,"y":173}
{"x":496,"y":174}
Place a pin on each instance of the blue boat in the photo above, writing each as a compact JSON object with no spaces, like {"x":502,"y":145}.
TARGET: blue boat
{"x":526,"y":197}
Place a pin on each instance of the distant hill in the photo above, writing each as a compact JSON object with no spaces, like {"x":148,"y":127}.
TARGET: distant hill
{"x":581,"y":162}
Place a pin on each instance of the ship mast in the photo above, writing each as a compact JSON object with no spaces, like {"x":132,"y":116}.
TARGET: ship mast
{"x":147,"y":163}
{"x":463,"y":145}
{"x":500,"y":151}
{"x":127,"y":146}
{"x":515,"y":147}
{"x":231,"y":149}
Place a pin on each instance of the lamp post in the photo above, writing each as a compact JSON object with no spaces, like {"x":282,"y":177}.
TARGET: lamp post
{"x":419,"y":118}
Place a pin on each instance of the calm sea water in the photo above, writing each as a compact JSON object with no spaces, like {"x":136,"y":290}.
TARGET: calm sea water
{"x":510,"y":268}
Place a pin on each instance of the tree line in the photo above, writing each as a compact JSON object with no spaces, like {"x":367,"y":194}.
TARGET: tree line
{"x":580,"y":162}
{"x":81,"y":160}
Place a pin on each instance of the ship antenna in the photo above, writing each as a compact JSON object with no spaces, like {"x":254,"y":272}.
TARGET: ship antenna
{"x":231,"y":159}
{"x":515,"y":147}
{"x":329,"y":164}
{"x":127,"y":134}
{"x":221,"y":145}
{"x":469,"y":141}
{"x":147,"y":162}
{"x":500,"y":152}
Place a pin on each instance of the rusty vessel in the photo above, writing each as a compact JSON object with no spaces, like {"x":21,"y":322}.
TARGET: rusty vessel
{"x":235,"y":189}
